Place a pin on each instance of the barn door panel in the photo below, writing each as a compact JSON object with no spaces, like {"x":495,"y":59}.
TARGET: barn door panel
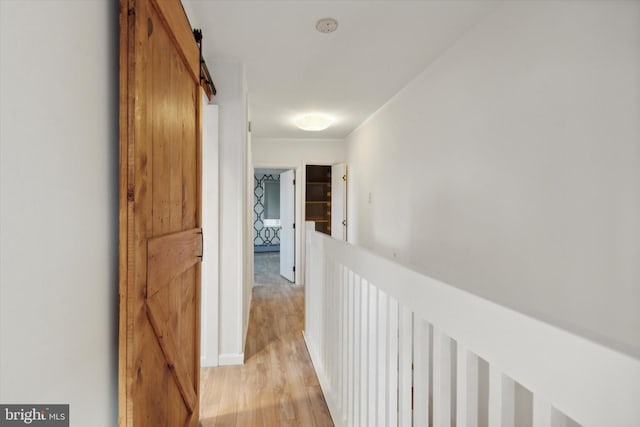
{"x":160,"y":199}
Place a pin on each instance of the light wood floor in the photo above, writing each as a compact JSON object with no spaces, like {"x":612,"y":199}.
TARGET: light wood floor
{"x":277,"y":385}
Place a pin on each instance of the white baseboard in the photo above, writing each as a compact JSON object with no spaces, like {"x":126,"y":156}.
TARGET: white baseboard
{"x":325,"y":385}
{"x":246,"y":328}
{"x":208,"y":362}
{"x":231,"y":359}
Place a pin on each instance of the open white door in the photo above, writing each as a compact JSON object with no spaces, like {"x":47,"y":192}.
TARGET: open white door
{"x":339,"y":201}
{"x":287,"y":231}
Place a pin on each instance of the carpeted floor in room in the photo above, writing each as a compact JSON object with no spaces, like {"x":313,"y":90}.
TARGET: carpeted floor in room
{"x":267,"y":269}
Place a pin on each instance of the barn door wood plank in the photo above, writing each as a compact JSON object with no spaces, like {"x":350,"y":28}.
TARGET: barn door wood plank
{"x":171,"y":255}
{"x":172,"y":354}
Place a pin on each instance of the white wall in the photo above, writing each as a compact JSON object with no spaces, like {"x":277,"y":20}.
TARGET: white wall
{"x":511,"y":167}
{"x":232,"y":102}
{"x":247,"y":238}
{"x":210,"y":221}
{"x":296,"y":154}
{"x":59,"y":206}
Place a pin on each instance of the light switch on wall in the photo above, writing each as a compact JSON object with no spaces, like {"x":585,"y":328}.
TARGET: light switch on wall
{"x":369,"y":197}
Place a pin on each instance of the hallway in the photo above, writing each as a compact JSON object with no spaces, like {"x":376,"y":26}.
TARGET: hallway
{"x":277,"y":385}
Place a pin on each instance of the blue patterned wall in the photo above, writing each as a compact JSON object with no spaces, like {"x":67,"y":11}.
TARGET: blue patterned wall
{"x":262,"y":236}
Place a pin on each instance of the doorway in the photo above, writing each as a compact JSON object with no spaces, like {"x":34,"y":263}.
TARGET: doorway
{"x":326,"y":199}
{"x":273,"y":226}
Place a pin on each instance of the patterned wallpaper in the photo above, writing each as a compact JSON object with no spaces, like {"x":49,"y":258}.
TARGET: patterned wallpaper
{"x":262,"y":236}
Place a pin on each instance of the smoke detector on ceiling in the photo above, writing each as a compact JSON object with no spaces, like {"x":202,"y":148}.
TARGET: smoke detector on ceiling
{"x":327,"y":25}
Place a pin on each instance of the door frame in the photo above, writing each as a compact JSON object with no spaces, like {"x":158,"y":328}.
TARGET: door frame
{"x":344,"y":183}
{"x":299,"y":218}
{"x":210,"y":286}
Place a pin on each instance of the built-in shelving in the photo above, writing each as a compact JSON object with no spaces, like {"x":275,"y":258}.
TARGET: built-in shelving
{"x":318,"y":197}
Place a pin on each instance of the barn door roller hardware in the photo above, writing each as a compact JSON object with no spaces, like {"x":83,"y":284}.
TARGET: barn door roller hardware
{"x":205,"y":77}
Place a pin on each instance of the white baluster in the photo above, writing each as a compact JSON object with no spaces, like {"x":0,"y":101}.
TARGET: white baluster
{"x":441,"y":379}
{"x":420,"y":372}
{"x":364,"y":351}
{"x":374,"y":334}
{"x":344,"y":359}
{"x":392,"y":367}
{"x":501,"y":399}
{"x":558,"y":419}
{"x":339,"y":314}
{"x":351,"y":339}
{"x":541,"y":412}
{"x":332,"y":329}
{"x":357,"y":359}
{"x":467,"y":388}
{"x":383,"y":356}
{"x":405,"y":369}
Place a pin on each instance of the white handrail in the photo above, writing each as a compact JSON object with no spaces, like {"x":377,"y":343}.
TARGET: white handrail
{"x":357,"y":300}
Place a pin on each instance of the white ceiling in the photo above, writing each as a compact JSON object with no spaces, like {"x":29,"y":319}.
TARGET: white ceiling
{"x":379,"y":47}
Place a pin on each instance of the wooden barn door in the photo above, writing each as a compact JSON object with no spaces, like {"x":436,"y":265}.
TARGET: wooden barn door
{"x":160,"y":234}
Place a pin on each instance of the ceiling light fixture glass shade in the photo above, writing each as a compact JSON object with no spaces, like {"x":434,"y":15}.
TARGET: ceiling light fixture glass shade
{"x":313,"y":121}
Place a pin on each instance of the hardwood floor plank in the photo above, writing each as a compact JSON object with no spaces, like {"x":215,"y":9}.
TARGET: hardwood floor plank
{"x":277,"y":385}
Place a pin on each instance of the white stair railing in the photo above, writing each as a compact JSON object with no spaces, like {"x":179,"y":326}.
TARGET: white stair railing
{"x":383,"y":338}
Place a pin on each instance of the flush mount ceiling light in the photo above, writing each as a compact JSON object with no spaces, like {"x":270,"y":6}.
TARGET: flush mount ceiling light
{"x":313,"y":121}
{"x":327,"y":25}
